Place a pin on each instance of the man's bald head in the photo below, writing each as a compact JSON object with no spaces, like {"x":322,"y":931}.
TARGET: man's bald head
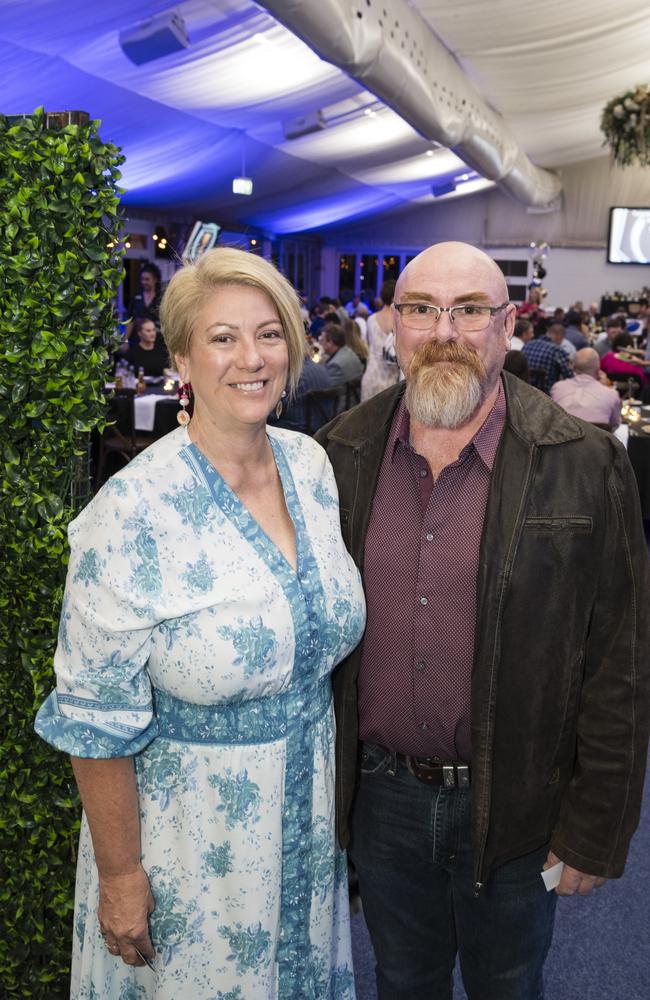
{"x":459,"y":259}
{"x":586,"y":362}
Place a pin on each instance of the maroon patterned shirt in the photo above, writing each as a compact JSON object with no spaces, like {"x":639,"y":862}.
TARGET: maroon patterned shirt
{"x":420,"y":568}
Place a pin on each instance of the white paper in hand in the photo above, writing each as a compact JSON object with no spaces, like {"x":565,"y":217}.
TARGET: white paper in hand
{"x":553,"y":875}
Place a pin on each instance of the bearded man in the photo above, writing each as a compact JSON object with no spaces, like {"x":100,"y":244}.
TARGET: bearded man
{"x":494,"y":721}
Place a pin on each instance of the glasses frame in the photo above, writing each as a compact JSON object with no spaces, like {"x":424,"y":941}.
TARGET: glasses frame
{"x":439,"y":310}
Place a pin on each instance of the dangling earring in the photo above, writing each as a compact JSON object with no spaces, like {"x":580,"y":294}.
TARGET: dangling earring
{"x":278,"y":409}
{"x":183,"y":416}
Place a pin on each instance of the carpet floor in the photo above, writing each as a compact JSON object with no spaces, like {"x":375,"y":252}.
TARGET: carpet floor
{"x":601,"y":944}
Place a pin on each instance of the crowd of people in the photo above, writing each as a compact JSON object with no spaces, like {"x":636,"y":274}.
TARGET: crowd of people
{"x":275,"y":647}
{"x":582,"y":360}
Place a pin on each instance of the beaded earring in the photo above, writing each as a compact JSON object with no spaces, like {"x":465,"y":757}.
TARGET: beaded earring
{"x":183,"y":416}
{"x":278,"y":409}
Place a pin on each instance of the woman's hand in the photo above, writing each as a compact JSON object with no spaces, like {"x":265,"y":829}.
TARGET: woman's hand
{"x":125,"y":902}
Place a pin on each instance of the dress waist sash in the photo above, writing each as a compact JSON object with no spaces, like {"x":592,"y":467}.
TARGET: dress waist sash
{"x":262,"y":720}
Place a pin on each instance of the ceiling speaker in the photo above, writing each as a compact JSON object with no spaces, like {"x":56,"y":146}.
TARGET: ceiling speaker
{"x":444,"y":187}
{"x":305,"y":125}
{"x":152,"y":39}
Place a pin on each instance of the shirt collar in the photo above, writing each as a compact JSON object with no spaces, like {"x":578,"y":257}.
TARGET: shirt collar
{"x":485,"y":441}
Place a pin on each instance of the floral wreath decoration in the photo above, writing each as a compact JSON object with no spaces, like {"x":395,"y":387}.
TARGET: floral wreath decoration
{"x":625,"y":123}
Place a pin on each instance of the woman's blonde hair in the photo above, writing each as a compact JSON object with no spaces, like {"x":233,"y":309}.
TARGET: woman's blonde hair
{"x":190,"y":286}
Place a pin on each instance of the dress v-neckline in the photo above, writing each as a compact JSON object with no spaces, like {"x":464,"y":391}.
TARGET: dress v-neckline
{"x":230,"y":503}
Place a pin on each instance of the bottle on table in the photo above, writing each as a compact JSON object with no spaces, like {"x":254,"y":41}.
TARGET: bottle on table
{"x":141,"y":385}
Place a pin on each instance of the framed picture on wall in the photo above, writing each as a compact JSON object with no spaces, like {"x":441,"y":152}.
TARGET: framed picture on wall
{"x":203,"y":237}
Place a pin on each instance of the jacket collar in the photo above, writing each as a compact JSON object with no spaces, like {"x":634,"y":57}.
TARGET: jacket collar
{"x":530,"y":414}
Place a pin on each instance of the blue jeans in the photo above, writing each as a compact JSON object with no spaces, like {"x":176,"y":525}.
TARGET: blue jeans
{"x":411,"y":846}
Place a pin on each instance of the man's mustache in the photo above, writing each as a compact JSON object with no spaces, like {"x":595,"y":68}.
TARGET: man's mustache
{"x":433,"y":351}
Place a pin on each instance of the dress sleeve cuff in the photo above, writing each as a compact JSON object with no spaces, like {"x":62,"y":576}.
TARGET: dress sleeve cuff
{"x":92,"y":729}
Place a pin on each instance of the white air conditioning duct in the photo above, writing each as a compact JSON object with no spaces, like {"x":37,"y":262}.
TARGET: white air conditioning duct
{"x":382,"y":52}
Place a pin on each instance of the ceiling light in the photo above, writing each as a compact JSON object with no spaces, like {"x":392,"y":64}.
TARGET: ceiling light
{"x":242,"y":185}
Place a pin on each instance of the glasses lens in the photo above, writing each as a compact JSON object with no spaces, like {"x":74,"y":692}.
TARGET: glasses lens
{"x":470,"y":318}
{"x":418,"y":315}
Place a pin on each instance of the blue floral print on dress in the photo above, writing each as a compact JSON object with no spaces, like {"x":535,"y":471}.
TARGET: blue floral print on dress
{"x":175,"y":922}
{"x":218,"y":859}
{"x":253,"y":641}
{"x":89,"y":568}
{"x":322,"y":496}
{"x":199,"y":576}
{"x":248,"y":945}
{"x":240,"y":797}
{"x":194,"y":503}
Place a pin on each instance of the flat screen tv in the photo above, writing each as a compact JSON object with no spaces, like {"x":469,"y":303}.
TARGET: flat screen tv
{"x":629,"y":236}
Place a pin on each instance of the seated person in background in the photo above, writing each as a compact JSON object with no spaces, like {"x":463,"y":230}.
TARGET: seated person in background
{"x":585,"y":396}
{"x":616,"y":365}
{"x":149,"y":352}
{"x":342,"y":365}
{"x":605,"y":340}
{"x":515,"y":362}
{"x":542,"y":354}
{"x":293,"y":415}
{"x":557,"y":334}
{"x":524,"y":331}
{"x":573,"y":329}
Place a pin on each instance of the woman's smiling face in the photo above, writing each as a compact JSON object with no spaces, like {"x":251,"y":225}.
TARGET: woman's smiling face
{"x":237,"y":359}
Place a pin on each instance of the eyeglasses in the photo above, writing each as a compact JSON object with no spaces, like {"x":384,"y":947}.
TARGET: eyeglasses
{"x":468,"y":317}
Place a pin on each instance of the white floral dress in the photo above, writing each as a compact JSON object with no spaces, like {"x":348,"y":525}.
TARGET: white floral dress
{"x":188,"y":641}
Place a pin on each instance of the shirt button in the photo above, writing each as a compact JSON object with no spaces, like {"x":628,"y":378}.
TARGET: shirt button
{"x":424,"y":726}
{"x":424,"y":600}
{"x":429,"y":536}
{"x":420,"y":666}
{"x":423,"y":473}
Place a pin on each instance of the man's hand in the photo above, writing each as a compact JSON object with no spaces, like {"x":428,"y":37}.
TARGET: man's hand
{"x":572,"y":880}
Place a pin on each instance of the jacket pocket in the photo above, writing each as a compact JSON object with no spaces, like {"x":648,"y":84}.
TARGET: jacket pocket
{"x":574,"y":523}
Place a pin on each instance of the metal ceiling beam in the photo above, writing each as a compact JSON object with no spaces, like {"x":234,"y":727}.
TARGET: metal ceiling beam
{"x":390,"y":50}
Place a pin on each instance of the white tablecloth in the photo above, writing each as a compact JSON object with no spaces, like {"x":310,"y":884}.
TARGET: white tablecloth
{"x":145,"y":411}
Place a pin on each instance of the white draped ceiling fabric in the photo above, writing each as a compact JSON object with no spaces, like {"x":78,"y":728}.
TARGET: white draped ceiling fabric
{"x":191,"y":121}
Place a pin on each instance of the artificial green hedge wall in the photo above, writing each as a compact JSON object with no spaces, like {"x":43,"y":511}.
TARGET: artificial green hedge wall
{"x":58,"y":276}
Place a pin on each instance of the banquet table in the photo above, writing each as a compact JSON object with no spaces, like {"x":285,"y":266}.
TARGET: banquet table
{"x":145,"y":407}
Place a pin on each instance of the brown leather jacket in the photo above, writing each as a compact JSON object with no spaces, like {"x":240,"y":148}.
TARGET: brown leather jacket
{"x":560,"y":679}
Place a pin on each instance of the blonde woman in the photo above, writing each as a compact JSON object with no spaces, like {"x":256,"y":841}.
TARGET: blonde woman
{"x":209,"y":597}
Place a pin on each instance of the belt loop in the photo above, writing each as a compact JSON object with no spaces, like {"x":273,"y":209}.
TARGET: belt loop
{"x":392,"y":763}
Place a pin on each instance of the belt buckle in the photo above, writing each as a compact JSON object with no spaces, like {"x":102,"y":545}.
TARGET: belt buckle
{"x":462,"y":775}
{"x":449,"y":775}
{"x":455,"y":775}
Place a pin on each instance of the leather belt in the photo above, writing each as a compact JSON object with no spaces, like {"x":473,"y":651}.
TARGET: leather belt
{"x":449,"y":774}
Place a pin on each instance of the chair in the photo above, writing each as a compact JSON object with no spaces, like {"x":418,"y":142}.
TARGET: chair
{"x":625,"y":385}
{"x":537,"y":378}
{"x":319,"y":407}
{"x":352,"y":393}
{"x":119,"y":437}
{"x":164,"y":419}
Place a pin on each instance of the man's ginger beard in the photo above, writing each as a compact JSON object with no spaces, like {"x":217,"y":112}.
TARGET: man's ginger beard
{"x":444,"y":395}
